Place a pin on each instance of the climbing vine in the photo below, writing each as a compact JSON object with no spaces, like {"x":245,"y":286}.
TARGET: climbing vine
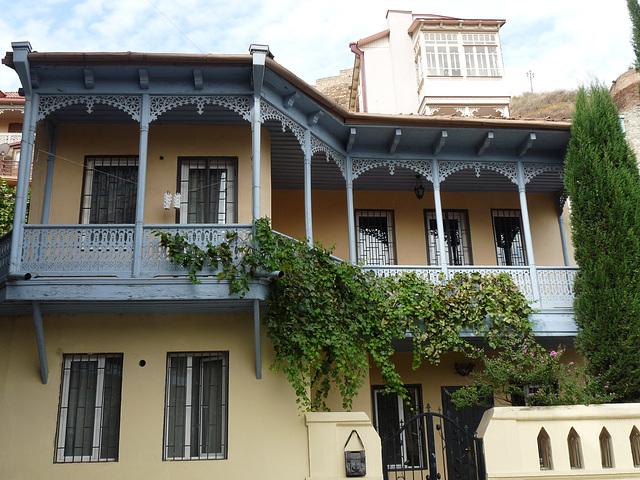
{"x":327,"y":318}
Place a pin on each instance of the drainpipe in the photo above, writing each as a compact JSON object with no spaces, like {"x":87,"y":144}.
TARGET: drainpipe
{"x":360,"y":53}
{"x":259,"y":53}
{"x":21,"y":51}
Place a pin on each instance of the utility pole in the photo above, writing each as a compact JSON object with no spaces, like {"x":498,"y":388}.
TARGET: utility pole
{"x":530,"y":75}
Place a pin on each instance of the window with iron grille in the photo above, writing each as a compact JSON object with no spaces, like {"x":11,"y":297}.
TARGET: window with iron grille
{"x":509,"y":239}
{"x":456,"y":237}
{"x":195,"y":423}
{"x":89,"y":415}
{"x":208,"y":188}
{"x":390,"y":413}
{"x":109,"y":189}
{"x":375,"y":237}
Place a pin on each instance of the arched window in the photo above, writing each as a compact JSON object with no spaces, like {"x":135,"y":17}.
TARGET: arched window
{"x":606,"y":450}
{"x":544,"y":450}
{"x":634,"y":438}
{"x":575,"y":449}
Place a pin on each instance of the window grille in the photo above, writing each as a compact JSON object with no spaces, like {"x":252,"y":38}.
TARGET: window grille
{"x":456,"y":235}
{"x":110,"y":186}
{"x":89,"y":415}
{"x":196,"y":406}
{"x":391,"y":412}
{"x":634,"y":439}
{"x":606,"y":449}
{"x":544,"y":450}
{"x":375,"y":237}
{"x":575,"y":449}
{"x":208,"y":190}
{"x":507,"y":231}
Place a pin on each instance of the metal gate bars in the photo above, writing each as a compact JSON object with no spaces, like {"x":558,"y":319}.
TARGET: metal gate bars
{"x":432,"y":446}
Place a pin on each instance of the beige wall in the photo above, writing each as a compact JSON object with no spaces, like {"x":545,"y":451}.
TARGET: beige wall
{"x":167,"y":141}
{"x":510,"y":440}
{"x":267,"y":434}
{"x":330,"y":221}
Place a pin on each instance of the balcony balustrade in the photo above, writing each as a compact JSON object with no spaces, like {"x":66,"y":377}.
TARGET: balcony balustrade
{"x":107,"y":251}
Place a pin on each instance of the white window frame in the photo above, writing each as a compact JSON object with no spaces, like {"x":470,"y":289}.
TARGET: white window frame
{"x":442,"y":54}
{"x":482,"y":54}
{"x":227,"y":203}
{"x":188,"y":407}
{"x":98,"y":411}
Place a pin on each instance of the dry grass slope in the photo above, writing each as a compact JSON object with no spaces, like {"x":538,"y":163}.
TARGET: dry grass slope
{"x":558,"y":105}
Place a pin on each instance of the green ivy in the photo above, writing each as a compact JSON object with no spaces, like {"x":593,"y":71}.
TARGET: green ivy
{"x":327,"y":319}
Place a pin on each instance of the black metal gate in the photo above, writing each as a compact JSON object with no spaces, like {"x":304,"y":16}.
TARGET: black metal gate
{"x":432,"y":446}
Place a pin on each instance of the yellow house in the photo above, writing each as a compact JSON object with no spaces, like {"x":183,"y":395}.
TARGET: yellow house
{"x":11,"y":112}
{"x":114,"y":365}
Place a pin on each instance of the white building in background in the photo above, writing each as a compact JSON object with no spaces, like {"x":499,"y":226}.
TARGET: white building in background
{"x":431,"y":65}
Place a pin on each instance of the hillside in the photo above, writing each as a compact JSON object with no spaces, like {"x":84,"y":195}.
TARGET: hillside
{"x":558,"y":105}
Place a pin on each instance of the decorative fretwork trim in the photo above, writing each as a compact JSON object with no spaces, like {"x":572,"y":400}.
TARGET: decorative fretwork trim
{"x":466,"y":111}
{"x":161,"y":104}
{"x":507,"y":169}
{"x":318,"y":145}
{"x":130,"y":104}
{"x":268,"y":112}
{"x":362,"y":165}
{"x":532,"y":170}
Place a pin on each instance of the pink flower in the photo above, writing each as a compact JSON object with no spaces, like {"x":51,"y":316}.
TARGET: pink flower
{"x":553,"y":353}
{"x":570,"y":363}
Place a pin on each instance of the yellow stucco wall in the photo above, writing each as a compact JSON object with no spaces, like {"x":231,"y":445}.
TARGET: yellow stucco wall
{"x":329,"y":210}
{"x":168,"y":141}
{"x":267,"y":433}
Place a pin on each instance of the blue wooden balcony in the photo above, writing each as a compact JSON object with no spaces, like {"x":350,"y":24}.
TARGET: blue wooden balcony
{"x":90,"y":268}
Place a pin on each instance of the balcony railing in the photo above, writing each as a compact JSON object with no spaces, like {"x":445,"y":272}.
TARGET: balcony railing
{"x":555,"y":283}
{"x":10,"y":137}
{"x":107,"y":251}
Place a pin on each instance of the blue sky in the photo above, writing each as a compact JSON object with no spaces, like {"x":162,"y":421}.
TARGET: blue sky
{"x":563,"y":42}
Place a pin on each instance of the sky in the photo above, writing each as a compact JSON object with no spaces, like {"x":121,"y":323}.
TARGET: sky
{"x":564,"y":43}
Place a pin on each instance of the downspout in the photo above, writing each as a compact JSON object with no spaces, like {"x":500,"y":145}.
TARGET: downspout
{"x":21,"y":51}
{"x":360,"y":53}
{"x":259,"y":53}
{"x":138,"y":232}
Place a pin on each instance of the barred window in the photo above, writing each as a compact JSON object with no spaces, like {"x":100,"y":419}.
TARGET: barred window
{"x":109,"y":190}
{"x":507,"y":230}
{"x":208,"y":190}
{"x":375,"y":237}
{"x":89,"y":415}
{"x":196,"y":406}
{"x":456,"y":236}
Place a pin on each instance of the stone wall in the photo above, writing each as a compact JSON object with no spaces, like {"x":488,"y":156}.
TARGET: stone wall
{"x":337,"y":88}
{"x":625,"y":93}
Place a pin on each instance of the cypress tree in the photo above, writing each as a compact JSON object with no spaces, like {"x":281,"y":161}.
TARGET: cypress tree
{"x":634,"y":13}
{"x":603,"y":184}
